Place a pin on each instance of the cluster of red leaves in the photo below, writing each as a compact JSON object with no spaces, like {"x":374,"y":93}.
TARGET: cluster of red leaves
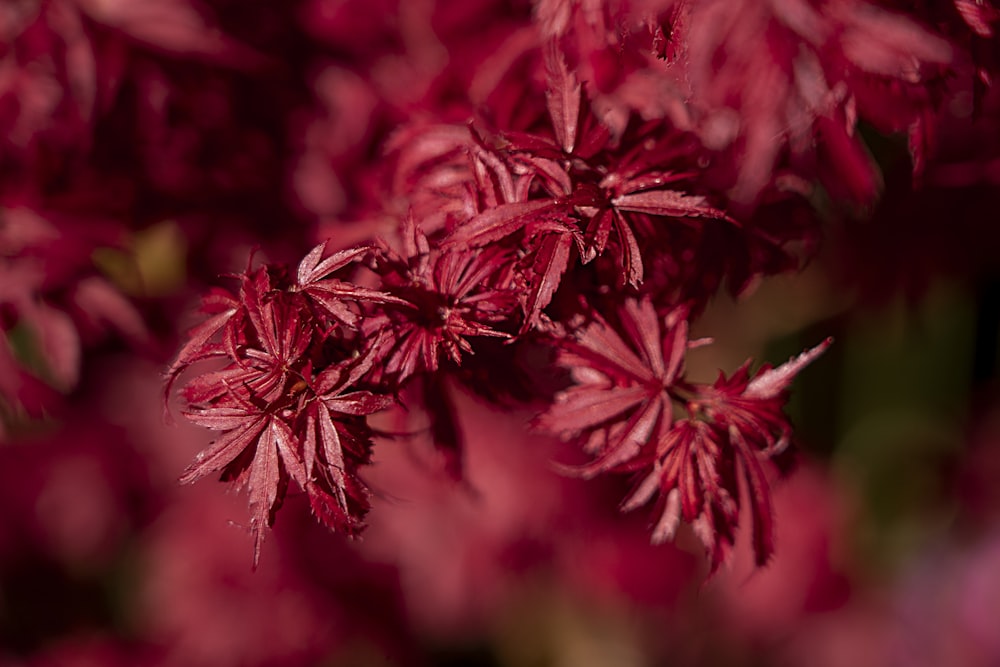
{"x":289,"y":402}
{"x":631,"y":408}
{"x":593,"y":207}
{"x":552,"y":173}
{"x":513,"y":233}
{"x":774,"y":86}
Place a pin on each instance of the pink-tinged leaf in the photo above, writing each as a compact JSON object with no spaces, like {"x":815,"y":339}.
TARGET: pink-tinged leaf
{"x":24,"y":228}
{"x":330,"y":380}
{"x":890,"y":44}
{"x":596,"y":236}
{"x":222,"y":418}
{"x":198,"y":346}
{"x":334,"y":305}
{"x":532,"y":145}
{"x":100,"y":300}
{"x":920,"y":138}
{"x":855,"y":168}
{"x":670,"y":518}
{"x":208,"y":388}
{"x":465,"y":329}
{"x":218,"y":300}
{"x":630,"y":257}
{"x":668,"y":203}
{"x":330,"y":511}
{"x":772,"y":382}
{"x":801,"y":17}
{"x":562,"y":97}
{"x":408,"y":355}
{"x":283,"y":437}
{"x":363,"y":364}
{"x":493,"y":177}
{"x":630,"y":439}
{"x":459,"y":273}
{"x":606,"y":351}
{"x":419,"y":145}
{"x":309,"y":450}
{"x":551,"y":261}
{"x":81,"y":66}
{"x":262,"y":488}
{"x":333,"y":379}
{"x":582,"y":407}
{"x":176,"y":26}
{"x":496,"y":223}
{"x":449,"y":294}
{"x":59,"y":343}
{"x":648,"y":180}
{"x":313,"y":267}
{"x":332,"y":295}
{"x":254,"y":288}
{"x":415,"y":243}
{"x":693,"y":486}
{"x":333,"y":454}
{"x":677,"y":342}
{"x":223,"y":451}
{"x":553,"y":17}
{"x":359,"y":403}
{"x":553,"y":175}
{"x":978,"y":15}
{"x":762,"y":513}
{"x":642,"y":326}
{"x":326,"y":290}
{"x":644,"y":491}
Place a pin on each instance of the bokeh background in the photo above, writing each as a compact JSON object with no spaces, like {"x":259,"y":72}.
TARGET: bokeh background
{"x":149,"y":147}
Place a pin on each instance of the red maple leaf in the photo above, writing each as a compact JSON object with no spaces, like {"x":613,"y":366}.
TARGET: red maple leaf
{"x":443,"y":296}
{"x":623,"y":383}
{"x":256,"y":450}
{"x":287,"y":401}
{"x":336,"y":441}
{"x":736,"y":425}
{"x":332,"y":295}
{"x":628,"y":382}
{"x":580,"y":188}
{"x":694,"y":478}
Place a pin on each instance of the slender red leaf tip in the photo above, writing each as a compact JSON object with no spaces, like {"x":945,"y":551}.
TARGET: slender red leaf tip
{"x":503,"y":220}
{"x":669,"y":203}
{"x":770,"y":383}
{"x":550,"y":263}
{"x":337,"y":441}
{"x":200,"y":343}
{"x":562,"y":97}
{"x":314,"y":278}
{"x":313,"y":267}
